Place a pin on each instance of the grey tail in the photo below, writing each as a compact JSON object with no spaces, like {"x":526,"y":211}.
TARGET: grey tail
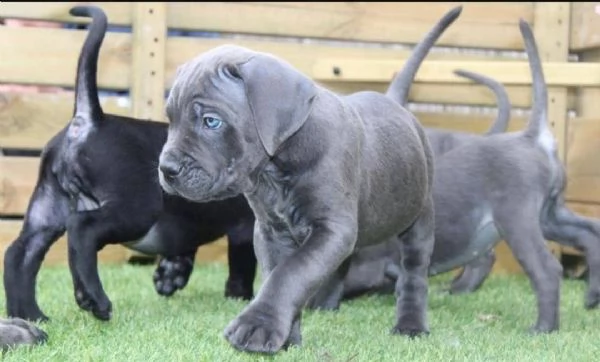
{"x":539,"y":109}
{"x":503,"y":117}
{"x":86,"y":88}
{"x":400,"y":85}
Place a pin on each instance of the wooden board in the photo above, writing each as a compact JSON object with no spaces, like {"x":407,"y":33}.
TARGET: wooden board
{"x":18,"y":176}
{"x":30,"y":120}
{"x":490,"y":25}
{"x":556,"y":73}
{"x":57,"y":255}
{"x":582,"y":160}
{"x":117,"y":13}
{"x":585,"y":28}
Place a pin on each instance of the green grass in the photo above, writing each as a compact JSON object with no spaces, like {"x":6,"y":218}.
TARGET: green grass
{"x":489,"y":325}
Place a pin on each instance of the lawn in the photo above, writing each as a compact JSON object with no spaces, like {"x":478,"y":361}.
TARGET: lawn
{"x":489,"y":325}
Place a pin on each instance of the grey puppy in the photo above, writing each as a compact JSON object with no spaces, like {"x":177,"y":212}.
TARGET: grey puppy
{"x":16,"y":331}
{"x":477,"y":205}
{"x":322,"y":172}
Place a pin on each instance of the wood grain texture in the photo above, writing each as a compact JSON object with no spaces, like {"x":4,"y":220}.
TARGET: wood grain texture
{"x":585,"y":26}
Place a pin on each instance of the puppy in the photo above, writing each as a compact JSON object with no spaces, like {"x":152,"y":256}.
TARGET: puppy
{"x":97,"y":182}
{"x":323,"y":174}
{"x":373,"y":268}
{"x":15,"y":332}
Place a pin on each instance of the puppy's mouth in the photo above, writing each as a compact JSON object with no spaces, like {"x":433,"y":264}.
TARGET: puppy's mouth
{"x":197,"y":185}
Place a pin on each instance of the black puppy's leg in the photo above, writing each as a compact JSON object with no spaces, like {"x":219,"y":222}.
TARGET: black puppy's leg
{"x":412,"y":284}
{"x":87,"y":234}
{"x":82,"y":297}
{"x":241,"y":262}
{"x":473,"y":274}
{"x":567,"y":228}
{"x":528,"y":245}
{"x":45,"y":222}
{"x":173,"y":273}
{"x":330,"y":293}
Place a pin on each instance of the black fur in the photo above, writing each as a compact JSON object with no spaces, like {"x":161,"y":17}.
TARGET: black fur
{"x":98,"y":182}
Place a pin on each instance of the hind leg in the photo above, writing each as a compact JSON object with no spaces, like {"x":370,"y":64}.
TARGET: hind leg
{"x":567,"y":228}
{"x":241,"y":261}
{"x":412,"y":284}
{"x":473,"y":274}
{"x":44,"y":223}
{"x":519,"y":226}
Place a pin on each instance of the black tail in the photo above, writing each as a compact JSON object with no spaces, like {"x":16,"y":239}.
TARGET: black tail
{"x":400,"y":85}
{"x":538,"y":120}
{"x":86,"y":88}
{"x":501,"y":122}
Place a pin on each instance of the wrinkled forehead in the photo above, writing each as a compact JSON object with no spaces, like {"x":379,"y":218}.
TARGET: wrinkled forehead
{"x":203,"y":74}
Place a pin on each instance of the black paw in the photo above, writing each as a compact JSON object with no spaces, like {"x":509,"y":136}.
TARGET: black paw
{"x":29,"y":314}
{"x":255,"y":330}
{"x":84,"y":301}
{"x":411,"y":328}
{"x":100,"y":310}
{"x":172,"y":274}
{"x":237,"y":289}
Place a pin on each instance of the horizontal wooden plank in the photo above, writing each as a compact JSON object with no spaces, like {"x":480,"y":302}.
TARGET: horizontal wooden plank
{"x":49,"y":57}
{"x":585,"y":27}
{"x":586,"y":74}
{"x":18,"y":176}
{"x":489,"y":25}
{"x":30,"y":120}
{"x":57,"y":255}
{"x":117,"y":13}
{"x":58,"y":49}
{"x":583,"y":167}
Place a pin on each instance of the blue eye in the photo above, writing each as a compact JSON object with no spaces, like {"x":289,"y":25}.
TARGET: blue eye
{"x":212,"y":122}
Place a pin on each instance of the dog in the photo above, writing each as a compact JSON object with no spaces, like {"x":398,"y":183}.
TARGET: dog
{"x":525,"y":209}
{"x":97,"y":182}
{"x":16,"y":332}
{"x":373,"y":268}
{"x":323,"y":174}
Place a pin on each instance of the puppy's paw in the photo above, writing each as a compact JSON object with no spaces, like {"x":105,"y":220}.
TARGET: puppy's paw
{"x":33,"y":314}
{"x":257,"y":330}
{"x":237,"y":289}
{"x":592,"y":299}
{"x":16,"y":331}
{"x":84,"y":301}
{"x":172,"y":274}
{"x":410,"y":327}
{"x":542,"y":328}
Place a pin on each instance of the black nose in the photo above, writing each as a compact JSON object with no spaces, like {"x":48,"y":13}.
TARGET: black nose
{"x":170,"y":169}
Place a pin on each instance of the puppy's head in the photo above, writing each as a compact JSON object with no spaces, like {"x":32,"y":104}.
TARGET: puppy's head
{"x":229,"y":109}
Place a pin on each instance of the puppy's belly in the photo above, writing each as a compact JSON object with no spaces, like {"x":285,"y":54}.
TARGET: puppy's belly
{"x":484,"y":236}
{"x":148,"y":244}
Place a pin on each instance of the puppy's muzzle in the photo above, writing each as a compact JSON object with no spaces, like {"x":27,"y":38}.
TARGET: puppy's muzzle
{"x":170,"y":169}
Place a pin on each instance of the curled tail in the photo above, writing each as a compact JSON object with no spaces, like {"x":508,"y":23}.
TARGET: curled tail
{"x":503,"y":117}
{"x":400,"y":85}
{"x":538,"y":121}
{"x":86,"y":90}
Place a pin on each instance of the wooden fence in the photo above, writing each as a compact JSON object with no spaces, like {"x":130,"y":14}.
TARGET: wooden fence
{"x":368,"y":42}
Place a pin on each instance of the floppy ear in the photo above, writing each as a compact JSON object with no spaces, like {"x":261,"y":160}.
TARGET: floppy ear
{"x":280,"y":98}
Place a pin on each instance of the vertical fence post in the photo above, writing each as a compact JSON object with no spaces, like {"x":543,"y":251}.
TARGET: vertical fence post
{"x":149,"y":30}
{"x":552,"y":30}
{"x":147,"y":92}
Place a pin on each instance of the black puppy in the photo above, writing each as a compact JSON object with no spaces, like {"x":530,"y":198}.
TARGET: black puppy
{"x":98,"y":182}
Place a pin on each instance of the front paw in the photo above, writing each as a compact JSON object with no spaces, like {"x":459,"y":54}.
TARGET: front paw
{"x":257,"y":330}
{"x":592,"y":299}
{"x":16,"y":331}
{"x":84,"y":301}
{"x":172,"y":274}
{"x":100,"y":310}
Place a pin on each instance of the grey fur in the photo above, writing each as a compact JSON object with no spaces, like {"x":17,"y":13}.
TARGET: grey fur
{"x":16,"y":332}
{"x":323,"y":174}
{"x":514,"y":183}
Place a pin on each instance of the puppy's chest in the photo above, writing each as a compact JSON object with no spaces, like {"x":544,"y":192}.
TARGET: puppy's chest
{"x":280,"y":213}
